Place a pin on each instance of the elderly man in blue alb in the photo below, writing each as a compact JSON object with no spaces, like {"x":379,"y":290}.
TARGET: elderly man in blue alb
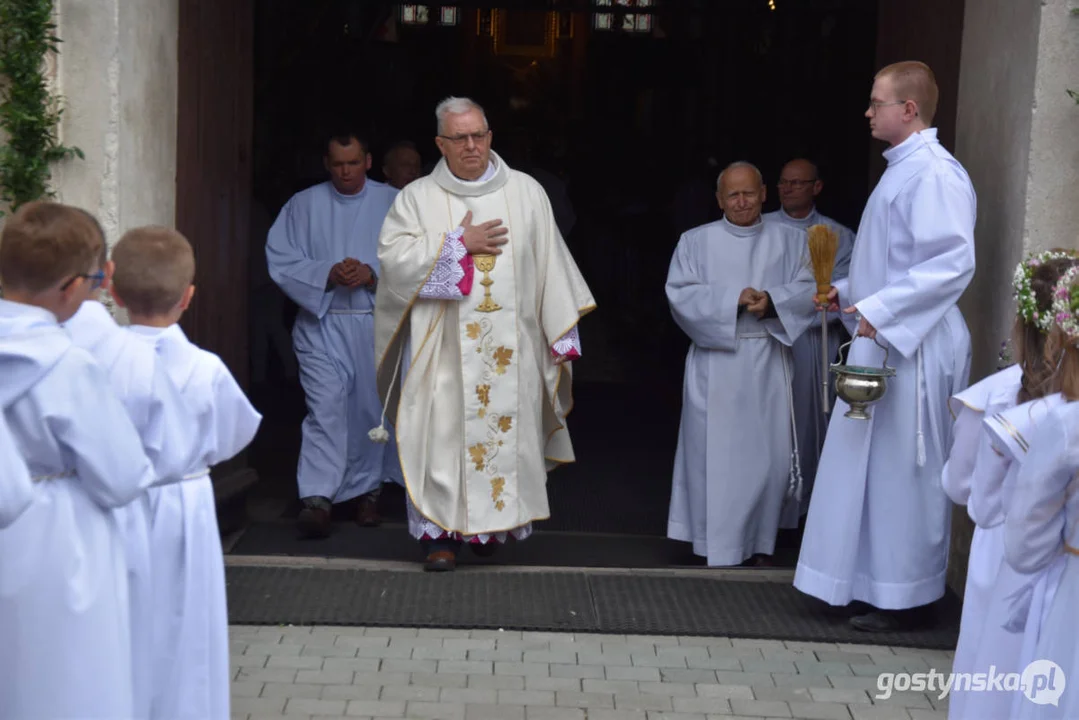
{"x":799,"y":185}
{"x":736,"y":287}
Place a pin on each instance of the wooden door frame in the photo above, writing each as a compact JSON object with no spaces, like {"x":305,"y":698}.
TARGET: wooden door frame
{"x":213,"y":194}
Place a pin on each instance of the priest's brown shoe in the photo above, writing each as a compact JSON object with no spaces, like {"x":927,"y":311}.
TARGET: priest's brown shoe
{"x":440,"y":561}
{"x":367,"y":512}
{"x":313,"y":522}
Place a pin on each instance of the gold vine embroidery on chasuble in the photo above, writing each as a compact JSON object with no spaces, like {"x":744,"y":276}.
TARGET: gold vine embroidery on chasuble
{"x":496,"y":492}
{"x":497,"y":360}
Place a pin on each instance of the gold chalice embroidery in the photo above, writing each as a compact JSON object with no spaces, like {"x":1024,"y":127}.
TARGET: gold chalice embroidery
{"x":485,"y":264}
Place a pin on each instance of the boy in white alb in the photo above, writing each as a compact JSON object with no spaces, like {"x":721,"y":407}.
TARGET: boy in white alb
{"x":63,"y":583}
{"x":16,"y":485}
{"x":167,"y":429}
{"x":154,"y":270}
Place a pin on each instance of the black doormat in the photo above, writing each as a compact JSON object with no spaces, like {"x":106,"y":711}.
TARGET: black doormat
{"x":392,"y":542}
{"x":556,"y":601}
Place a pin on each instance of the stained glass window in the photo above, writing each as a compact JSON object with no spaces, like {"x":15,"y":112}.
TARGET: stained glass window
{"x":414,"y":14}
{"x":625,"y":21}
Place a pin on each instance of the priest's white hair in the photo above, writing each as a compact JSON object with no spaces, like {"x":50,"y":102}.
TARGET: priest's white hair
{"x":735,"y":166}
{"x":457,"y":106}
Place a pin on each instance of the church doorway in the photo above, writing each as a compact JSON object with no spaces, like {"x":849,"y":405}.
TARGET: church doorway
{"x":626,"y":109}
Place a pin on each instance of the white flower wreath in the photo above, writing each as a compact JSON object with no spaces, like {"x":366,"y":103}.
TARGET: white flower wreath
{"x":1066,"y":304}
{"x":1023,"y":291}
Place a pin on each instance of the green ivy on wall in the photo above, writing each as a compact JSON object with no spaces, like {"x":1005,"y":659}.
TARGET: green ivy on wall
{"x":29,"y":113}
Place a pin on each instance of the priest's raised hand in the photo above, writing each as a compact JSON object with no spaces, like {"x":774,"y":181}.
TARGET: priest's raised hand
{"x":485,"y":238}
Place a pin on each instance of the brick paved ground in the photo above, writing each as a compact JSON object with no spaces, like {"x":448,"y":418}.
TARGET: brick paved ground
{"x":323,"y":672}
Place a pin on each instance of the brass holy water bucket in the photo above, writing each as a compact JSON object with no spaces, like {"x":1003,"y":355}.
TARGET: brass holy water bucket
{"x":861,"y":386}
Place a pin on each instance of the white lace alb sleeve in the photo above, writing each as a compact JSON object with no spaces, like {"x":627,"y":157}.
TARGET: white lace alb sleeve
{"x":568,"y":345}
{"x":452,"y":277}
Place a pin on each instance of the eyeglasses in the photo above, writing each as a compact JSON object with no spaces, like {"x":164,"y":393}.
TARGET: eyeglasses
{"x":795,"y":184}
{"x":874,"y":106}
{"x":96,"y":280}
{"x":477,"y":137}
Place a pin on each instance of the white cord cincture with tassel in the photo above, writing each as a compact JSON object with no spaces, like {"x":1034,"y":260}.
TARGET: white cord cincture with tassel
{"x":380,"y":434}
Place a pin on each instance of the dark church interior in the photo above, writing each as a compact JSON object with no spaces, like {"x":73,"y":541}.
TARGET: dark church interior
{"x":628,"y":107}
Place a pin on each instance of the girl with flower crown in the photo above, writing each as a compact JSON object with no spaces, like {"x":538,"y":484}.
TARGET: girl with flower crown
{"x":975,"y":476}
{"x":1041,"y":529}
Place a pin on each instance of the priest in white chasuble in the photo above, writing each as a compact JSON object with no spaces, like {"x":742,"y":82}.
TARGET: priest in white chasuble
{"x":737,"y":287}
{"x":475,"y":322}
{"x":799,"y":186}
{"x":879,"y":520}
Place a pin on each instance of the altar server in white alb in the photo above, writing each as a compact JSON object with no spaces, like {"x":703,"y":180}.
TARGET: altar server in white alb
{"x":155,"y":267}
{"x":64,"y":623}
{"x":878,"y":524}
{"x":799,"y":186}
{"x":992,"y":417}
{"x":322,"y":252}
{"x":169,"y":439}
{"x":16,"y":485}
{"x":737,"y":287}
{"x":477,"y":310}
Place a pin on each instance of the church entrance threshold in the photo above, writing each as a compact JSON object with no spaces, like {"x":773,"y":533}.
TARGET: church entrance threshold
{"x":608,"y":509}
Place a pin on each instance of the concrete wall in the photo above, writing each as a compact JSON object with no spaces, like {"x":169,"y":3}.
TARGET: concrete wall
{"x":118,"y":76}
{"x":1016,"y":133}
{"x":1052,"y":191}
{"x":994,"y":121}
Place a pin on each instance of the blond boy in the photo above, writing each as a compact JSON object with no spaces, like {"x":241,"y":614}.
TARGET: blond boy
{"x":154,"y":272}
{"x":63,"y":585}
{"x":167,"y":429}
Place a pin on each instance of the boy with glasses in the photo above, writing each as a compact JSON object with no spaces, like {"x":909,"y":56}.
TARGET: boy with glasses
{"x":63,"y":581}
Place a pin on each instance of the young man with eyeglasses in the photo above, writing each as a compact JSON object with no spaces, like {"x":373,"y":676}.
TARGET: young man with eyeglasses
{"x":322,"y":252}
{"x":476,"y":319}
{"x":799,"y":185}
{"x":879,"y":520}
